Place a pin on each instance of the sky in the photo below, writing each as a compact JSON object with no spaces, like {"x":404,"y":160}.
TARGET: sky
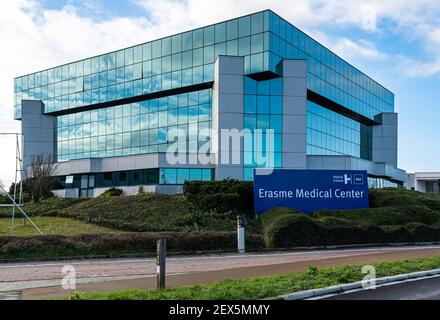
{"x":396,"y":42}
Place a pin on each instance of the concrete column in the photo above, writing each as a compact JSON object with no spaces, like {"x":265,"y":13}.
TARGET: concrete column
{"x":294,"y":113}
{"x":227,"y":113}
{"x":385,"y":141}
{"x":38,"y":130}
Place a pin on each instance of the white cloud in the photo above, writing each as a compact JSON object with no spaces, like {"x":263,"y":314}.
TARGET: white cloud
{"x":33,"y":38}
{"x":414,"y":22}
{"x":355,"y":50}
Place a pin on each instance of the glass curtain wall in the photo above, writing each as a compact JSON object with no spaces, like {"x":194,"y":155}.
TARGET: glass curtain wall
{"x":263,"y":109}
{"x":177,"y":61}
{"x":136,"y":128}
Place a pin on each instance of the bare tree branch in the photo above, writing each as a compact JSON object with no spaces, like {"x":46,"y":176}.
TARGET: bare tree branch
{"x":40,"y":172}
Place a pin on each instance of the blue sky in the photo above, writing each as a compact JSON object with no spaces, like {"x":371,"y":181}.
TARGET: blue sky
{"x":397,"y":42}
{"x":98,"y":9}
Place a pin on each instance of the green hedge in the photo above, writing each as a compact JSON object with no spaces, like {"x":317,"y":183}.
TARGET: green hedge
{"x":396,"y":215}
{"x":112,"y":192}
{"x":116,"y":244}
{"x":220,"y":196}
{"x":286,"y":229}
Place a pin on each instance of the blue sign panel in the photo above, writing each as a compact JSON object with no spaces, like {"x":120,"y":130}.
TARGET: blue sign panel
{"x":310,"y":190}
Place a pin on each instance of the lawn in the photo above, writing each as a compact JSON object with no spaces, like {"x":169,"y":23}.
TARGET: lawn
{"x":267,"y":287}
{"x":140,"y":213}
{"x":51,"y":226}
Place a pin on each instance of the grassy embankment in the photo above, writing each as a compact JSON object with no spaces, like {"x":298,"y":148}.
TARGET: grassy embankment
{"x":267,"y":287}
{"x":395,"y":216}
{"x":389,"y":210}
{"x":141,"y":213}
{"x":52,"y":226}
{"x":113,"y":226}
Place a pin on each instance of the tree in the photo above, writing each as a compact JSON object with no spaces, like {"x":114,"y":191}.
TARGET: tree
{"x":3,"y":198}
{"x":40,"y":174}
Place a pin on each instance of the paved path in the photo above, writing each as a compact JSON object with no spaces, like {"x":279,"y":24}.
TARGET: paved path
{"x":43,"y":279}
{"x":425,"y":289}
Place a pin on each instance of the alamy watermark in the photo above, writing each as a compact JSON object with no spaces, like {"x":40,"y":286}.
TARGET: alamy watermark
{"x":369,"y":281}
{"x":68,"y":282}
{"x":225,"y":147}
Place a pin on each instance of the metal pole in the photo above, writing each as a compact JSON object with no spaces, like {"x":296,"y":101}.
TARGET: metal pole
{"x":161,"y":263}
{"x":22,"y":212}
{"x":15,"y":183}
{"x":18,"y":164}
{"x":21,"y":200}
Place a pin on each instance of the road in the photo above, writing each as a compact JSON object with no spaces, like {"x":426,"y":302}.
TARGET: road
{"x":43,"y":279}
{"x":425,"y":289}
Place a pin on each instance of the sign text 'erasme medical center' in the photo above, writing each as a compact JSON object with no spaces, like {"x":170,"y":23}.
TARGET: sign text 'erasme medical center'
{"x":311,"y":190}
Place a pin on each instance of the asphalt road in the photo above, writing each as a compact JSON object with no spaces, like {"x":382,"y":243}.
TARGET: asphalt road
{"x":425,"y":289}
{"x":43,"y":279}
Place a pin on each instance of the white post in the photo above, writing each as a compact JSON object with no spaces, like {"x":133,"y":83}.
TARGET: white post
{"x":241,"y":235}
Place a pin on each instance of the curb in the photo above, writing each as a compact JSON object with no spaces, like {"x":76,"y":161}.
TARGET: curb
{"x":338,"y":289}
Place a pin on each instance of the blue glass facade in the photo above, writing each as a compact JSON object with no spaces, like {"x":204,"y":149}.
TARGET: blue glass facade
{"x":263,"y":109}
{"x":169,"y":63}
{"x":135,"y":128}
{"x":330,"y":133}
{"x":125,"y":102}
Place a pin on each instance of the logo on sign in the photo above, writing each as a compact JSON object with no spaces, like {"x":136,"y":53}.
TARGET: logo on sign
{"x":348,"y":179}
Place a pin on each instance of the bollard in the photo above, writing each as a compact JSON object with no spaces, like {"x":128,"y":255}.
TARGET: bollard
{"x":241,"y":221}
{"x":161,"y":263}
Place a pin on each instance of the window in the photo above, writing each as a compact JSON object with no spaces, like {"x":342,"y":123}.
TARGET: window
{"x":197,"y":38}
{"x":187,"y":41}
{"x":122,"y":177}
{"x":198,"y":57}
{"x":137,"y":54}
{"x":157,"y":49}
{"x":129,"y":56}
{"x":244,"y":26}
{"x":187,"y":59}
{"x":137,"y":72}
{"x":176,"y":43}
{"x":209,"y":35}
{"x":257,"y":23}
{"x":244,"y":46}
{"x":220,"y":32}
{"x":232,"y":29}
{"x":166,"y":46}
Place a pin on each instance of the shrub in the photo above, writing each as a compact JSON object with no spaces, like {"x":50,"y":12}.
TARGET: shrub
{"x":112,"y":192}
{"x":285,"y":228}
{"x":220,"y":196}
{"x":4,"y":199}
{"x":398,"y":215}
{"x":141,"y":190}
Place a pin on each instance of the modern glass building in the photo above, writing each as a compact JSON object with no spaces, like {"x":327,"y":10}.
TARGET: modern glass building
{"x":109,"y":120}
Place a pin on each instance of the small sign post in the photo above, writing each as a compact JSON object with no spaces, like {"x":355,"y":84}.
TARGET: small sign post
{"x":161,"y":263}
{"x":241,"y":222}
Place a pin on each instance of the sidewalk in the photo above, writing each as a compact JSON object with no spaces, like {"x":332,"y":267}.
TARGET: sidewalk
{"x":199,"y":277}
